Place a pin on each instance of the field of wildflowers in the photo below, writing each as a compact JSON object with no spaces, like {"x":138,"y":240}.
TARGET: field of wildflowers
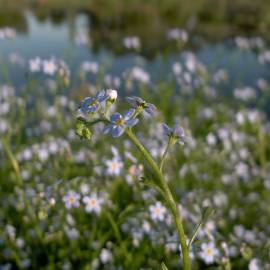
{"x":128,"y":162}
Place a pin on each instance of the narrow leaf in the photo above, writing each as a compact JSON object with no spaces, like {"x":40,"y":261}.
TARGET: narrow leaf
{"x":163,"y":266}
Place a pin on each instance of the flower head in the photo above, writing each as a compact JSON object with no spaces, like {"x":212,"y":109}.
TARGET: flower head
{"x":208,"y":252}
{"x":49,"y":67}
{"x":157,"y":211}
{"x":176,"y":134}
{"x":92,"y":203}
{"x":92,"y":104}
{"x":141,"y":104}
{"x":114,"y":166}
{"x":119,"y":123}
{"x":71,"y":199}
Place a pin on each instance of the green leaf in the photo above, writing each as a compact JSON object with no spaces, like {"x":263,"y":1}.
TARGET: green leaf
{"x":79,"y":128}
{"x":163,"y":266}
{"x":83,"y":131}
{"x":206,"y":214}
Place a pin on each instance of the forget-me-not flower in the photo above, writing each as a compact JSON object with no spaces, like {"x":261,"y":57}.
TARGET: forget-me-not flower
{"x":119,"y":123}
{"x":176,"y":134}
{"x":92,"y":104}
{"x":92,"y":203}
{"x":72,"y":199}
{"x":141,"y":104}
{"x":157,"y":211}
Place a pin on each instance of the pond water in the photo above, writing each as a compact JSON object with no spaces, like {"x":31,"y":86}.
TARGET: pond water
{"x":76,"y":40}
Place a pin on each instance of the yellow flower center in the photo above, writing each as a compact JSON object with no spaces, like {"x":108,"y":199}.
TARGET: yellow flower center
{"x":209,"y":251}
{"x":94,"y":102}
{"x":114,"y":165}
{"x":119,"y":122}
{"x":157,"y":211}
{"x":72,"y":199}
{"x":93,"y":202}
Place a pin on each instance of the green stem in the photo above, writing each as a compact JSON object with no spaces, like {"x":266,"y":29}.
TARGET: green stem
{"x":118,"y":235}
{"x":164,"y":155}
{"x":91,"y":123}
{"x":167,"y":194}
{"x":20,"y":183}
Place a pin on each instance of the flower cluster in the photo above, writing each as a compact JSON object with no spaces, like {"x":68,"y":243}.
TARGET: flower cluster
{"x":97,"y":109}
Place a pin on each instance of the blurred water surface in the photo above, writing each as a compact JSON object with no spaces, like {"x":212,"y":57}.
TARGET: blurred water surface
{"x":79,"y":36}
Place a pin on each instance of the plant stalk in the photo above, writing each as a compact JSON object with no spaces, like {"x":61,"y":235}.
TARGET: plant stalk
{"x":167,"y":194}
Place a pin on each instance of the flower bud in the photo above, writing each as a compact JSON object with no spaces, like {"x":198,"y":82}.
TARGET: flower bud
{"x":112,"y":94}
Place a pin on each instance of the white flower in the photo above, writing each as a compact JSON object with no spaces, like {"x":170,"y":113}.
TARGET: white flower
{"x":240,"y":118}
{"x":84,"y":188}
{"x":72,"y":233}
{"x":92,"y":203}
{"x":242,"y":170}
{"x":211,"y":139}
{"x":177,"y":34}
{"x":157,"y":211}
{"x":132,"y":42}
{"x":26,"y":154}
{"x":49,"y":67}
{"x":53,"y":147}
{"x":242,"y":43}
{"x":111,"y":81}
{"x":146,"y":227}
{"x":139,"y":74}
{"x":35,"y":64}
{"x":90,"y":67}
{"x":105,"y":256}
{"x":71,"y":199}
{"x":208,"y":253}
{"x":177,"y":68}
{"x":254,"y":265}
{"x":3,"y":126}
{"x":245,"y":94}
{"x":43,"y":154}
{"x":114,"y":166}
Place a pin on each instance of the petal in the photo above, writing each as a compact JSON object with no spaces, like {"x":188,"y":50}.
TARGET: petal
{"x":128,"y":114}
{"x":86,"y":101}
{"x":150,"y":108}
{"x":179,"y":131}
{"x":132,"y":100}
{"x":117,"y":131}
{"x":107,"y":129}
{"x":115,"y":117}
{"x":166,"y":129}
{"x":131,"y":122}
{"x":180,"y":142}
{"x":101,"y":99}
{"x":93,"y":108}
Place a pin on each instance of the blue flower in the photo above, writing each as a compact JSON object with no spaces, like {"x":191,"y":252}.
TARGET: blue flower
{"x":141,"y":104}
{"x":175,"y":134}
{"x":119,"y":123}
{"x":92,"y":104}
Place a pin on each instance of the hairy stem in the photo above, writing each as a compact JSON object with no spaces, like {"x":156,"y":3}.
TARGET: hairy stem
{"x":167,"y":194}
{"x":164,"y":156}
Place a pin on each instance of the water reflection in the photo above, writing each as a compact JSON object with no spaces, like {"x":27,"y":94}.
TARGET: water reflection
{"x":108,"y":26}
{"x":82,"y":36}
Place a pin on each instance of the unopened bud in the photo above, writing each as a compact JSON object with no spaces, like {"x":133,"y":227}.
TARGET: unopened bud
{"x":112,"y":94}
